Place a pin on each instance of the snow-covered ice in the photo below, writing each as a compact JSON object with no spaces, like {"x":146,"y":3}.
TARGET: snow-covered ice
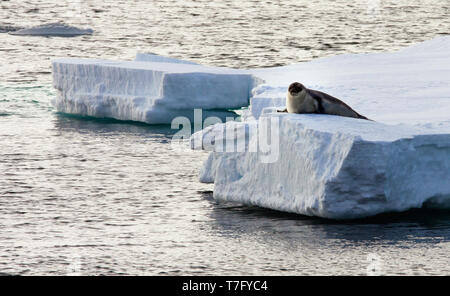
{"x":53,"y":29}
{"x":405,"y":87}
{"x":411,"y":86}
{"x":331,"y":167}
{"x":151,"y":92}
{"x":343,"y":168}
{"x":319,"y":165}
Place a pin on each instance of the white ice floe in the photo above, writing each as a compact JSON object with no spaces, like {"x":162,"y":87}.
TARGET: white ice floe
{"x":343,"y":168}
{"x":151,"y":92}
{"x":328,"y":166}
{"x":8,"y":28}
{"x":320,"y":165}
{"x":411,"y":86}
{"x":53,"y":29}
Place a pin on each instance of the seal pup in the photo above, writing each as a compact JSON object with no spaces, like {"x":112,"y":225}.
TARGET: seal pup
{"x":300,"y":99}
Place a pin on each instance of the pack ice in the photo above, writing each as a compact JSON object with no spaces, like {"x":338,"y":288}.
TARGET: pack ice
{"x":327,"y":166}
{"x":410,"y":86}
{"x":151,"y":89}
{"x":53,"y":29}
{"x":336,"y":167}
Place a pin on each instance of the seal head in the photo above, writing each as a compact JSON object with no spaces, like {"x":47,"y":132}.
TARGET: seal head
{"x":298,"y":100}
{"x":295,"y":88}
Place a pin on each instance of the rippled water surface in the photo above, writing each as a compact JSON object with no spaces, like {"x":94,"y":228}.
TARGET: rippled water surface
{"x":86,"y":196}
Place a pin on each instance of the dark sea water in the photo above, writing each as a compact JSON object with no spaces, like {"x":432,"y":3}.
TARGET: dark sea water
{"x":88,"y":196}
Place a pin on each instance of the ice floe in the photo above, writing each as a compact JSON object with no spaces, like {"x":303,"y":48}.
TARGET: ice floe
{"x":327,"y":166}
{"x":336,"y":167}
{"x":318,"y":165}
{"x":154,"y":92}
{"x":411,"y":86}
{"x":53,"y":29}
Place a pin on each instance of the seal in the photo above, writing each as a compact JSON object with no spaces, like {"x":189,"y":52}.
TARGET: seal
{"x":300,"y":99}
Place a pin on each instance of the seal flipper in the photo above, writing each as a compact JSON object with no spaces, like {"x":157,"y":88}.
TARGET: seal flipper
{"x":318,"y":102}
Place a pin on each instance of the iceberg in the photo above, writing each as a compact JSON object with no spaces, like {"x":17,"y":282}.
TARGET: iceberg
{"x":153,"y":91}
{"x":409,"y":87}
{"x":328,"y":166}
{"x":53,"y":29}
{"x":337,"y":167}
{"x":317,"y":165}
{"x":264,"y":96}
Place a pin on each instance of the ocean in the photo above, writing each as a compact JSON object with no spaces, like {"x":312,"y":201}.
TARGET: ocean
{"x":86,"y":196}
